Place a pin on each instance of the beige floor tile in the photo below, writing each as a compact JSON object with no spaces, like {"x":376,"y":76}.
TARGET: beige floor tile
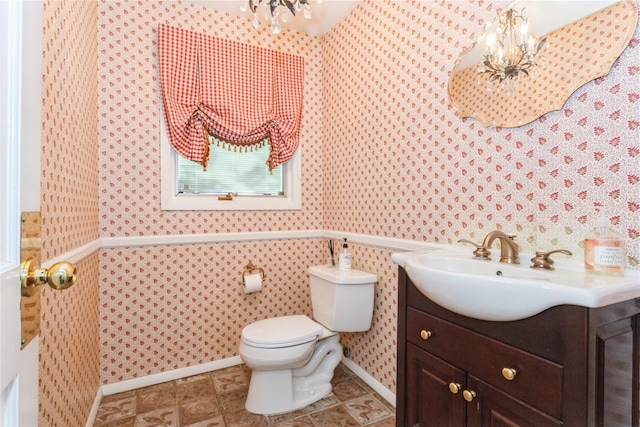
{"x":216,"y":399}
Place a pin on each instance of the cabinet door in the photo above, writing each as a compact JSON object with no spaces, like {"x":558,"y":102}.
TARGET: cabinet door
{"x":491,"y":407}
{"x":617,"y":362}
{"x":429,"y":400}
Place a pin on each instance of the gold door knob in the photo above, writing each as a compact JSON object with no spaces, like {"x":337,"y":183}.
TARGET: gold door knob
{"x":454,"y":388}
{"x":509,"y":373}
{"x":468,"y":395}
{"x":425,"y":335}
{"x":61,"y":275}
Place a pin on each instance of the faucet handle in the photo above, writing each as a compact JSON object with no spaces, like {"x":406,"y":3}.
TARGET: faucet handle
{"x":481,"y":252}
{"x":542,"y":260}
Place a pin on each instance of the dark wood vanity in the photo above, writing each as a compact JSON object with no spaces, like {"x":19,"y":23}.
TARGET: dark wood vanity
{"x":569,"y":365}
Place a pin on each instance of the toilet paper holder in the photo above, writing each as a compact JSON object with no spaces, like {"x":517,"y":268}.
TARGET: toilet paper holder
{"x":252,"y":269}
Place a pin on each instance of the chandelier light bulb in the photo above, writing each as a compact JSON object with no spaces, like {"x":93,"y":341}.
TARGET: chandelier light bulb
{"x":491,"y":40}
{"x":276,"y":11}
{"x":275,"y":26}
{"x":512,"y":53}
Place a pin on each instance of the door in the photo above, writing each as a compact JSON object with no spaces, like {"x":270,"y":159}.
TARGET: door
{"x":10,"y":106}
{"x":434,"y":391}
{"x":488,"y":406}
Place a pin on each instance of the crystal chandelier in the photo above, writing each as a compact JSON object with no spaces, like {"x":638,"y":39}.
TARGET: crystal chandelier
{"x":276,"y":10}
{"x":512,"y":53}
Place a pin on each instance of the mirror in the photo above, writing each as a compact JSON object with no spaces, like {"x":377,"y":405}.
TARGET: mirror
{"x":582,"y":44}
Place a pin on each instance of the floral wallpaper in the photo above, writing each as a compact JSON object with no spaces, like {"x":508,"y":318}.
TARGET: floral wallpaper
{"x":398,"y":162}
{"x":129,"y":122}
{"x":69,"y":337}
{"x":383,"y":155}
{"x":168,"y":307}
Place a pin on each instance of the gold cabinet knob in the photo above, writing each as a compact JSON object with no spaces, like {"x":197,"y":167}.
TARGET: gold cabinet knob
{"x":425,"y":335}
{"x":454,"y":388}
{"x":509,"y":373}
{"x":468,"y":395}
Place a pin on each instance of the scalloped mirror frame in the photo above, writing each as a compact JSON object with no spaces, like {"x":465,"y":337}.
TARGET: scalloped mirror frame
{"x":576,"y":54}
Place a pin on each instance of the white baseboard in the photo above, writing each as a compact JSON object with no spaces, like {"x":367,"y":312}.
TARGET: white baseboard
{"x":94,"y":409}
{"x":371,"y":382}
{"x":175,"y":374}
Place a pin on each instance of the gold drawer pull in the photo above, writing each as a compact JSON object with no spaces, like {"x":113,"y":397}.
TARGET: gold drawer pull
{"x":425,"y":335}
{"x":469,"y":395}
{"x":509,"y":373}
{"x":454,"y":388}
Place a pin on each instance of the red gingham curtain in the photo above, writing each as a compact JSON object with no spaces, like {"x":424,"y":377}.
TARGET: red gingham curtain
{"x":237,"y":92}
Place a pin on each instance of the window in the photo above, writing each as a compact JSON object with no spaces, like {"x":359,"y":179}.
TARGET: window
{"x":231,"y":170}
{"x":184,"y":185}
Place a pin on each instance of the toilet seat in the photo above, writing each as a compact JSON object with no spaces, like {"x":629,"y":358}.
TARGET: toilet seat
{"x":285,"y":331}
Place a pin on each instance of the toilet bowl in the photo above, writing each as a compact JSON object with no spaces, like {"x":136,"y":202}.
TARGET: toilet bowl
{"x":293,"y":358}
{"x":284,"y":342}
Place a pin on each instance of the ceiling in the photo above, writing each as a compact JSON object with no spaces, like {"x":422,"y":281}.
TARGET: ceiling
{"x":324,"y":15}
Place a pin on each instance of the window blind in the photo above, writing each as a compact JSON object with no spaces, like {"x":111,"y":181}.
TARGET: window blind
{"x":231,"y":171}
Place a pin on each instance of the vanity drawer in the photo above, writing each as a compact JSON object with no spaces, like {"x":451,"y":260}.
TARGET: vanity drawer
{"x":537,"y":381}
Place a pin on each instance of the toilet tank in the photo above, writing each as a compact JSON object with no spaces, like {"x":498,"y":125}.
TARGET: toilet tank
{"x":342,"y":300}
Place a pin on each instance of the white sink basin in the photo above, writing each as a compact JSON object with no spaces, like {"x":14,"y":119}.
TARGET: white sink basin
{"x":489,"y":290}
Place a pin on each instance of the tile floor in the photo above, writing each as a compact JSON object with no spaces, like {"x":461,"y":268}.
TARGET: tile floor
{"x":216,"y":399}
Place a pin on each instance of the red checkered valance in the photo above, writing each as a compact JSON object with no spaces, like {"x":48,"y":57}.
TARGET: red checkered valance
{"x":237,"y":92}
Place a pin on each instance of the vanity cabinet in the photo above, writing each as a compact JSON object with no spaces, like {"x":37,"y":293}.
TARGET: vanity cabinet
{"x":567,"y":366}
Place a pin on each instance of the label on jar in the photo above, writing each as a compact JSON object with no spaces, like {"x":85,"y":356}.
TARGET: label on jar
{"x":603,"y":256}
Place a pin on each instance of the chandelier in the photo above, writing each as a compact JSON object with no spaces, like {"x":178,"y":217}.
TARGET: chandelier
{"x":276,"y":10}
{"x":512,"y":53}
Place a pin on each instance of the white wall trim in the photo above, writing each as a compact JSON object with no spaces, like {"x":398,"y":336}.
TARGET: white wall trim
{"x":193,"y":239}
{"x":75,"y":255}
{"x":371,"y":381}
{"x":94,"y":409}
{"x":172,"y":375}
{"x":382,"y":241}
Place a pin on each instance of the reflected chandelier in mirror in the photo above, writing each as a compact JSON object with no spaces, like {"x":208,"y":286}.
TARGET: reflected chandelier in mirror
{"x":577,"y":50}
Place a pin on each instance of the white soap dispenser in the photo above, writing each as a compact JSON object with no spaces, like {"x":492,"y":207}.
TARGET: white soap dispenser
{"x":603,"y":250}
{"x":344,"y":261}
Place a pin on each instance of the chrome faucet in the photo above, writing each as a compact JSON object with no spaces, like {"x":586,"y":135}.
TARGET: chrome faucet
{"x":508,"y":248}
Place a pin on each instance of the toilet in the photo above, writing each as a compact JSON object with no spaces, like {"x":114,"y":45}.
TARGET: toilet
{"x":293,"y":358}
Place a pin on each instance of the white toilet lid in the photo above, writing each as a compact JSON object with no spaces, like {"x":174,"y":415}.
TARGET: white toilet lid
{"x":282,"y":331}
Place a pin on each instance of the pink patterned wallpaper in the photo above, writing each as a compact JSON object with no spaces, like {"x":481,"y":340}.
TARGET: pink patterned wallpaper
{"x":383,"y":154}
{"x":69,"y":337}
{"x":397,"y":162}
{"x":169,"y":307}
{"x":176,"y":306}
{"x":565,"y":69}
{"x":129,"y":122}
{"x":69,"y":368}
{"x":69,"y":177}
